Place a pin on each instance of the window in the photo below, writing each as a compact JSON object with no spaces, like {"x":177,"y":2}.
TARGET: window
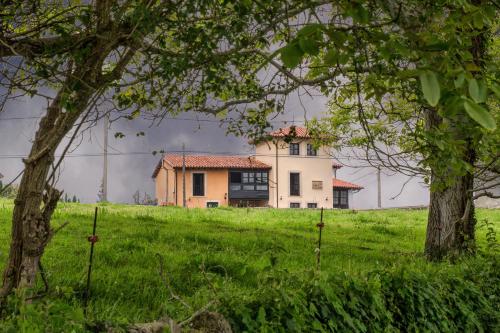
{"x":294,"y":149}
{"x":340,"y":198}
{"x":312,"y":205}
{"x":295,"y":183}
{"x":236,"y":177}
{"x":311,"y":151}
{"x":343,"y":198}
{"x":212,"y":204}
{"x":317,"y":185}
{"x":294,"y":204}
{"x":198,"y":184}
{"x":249,"y":181}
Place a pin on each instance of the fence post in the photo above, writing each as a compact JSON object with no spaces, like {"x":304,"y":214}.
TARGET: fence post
{"x":318,"y":250}
{"x":92,"y":239}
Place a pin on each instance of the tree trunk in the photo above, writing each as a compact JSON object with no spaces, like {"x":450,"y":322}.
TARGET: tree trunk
{"x":451,"y":221}
{"x":36,"y":200}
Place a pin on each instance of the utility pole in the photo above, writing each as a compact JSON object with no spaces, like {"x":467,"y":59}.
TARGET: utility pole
{"x":183,"y":175}
{"x":105,"y":166}
{"x":379,"y":188}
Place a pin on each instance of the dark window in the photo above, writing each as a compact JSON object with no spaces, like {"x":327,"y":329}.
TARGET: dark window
{"x":312,"y":205}
{"x":294,"y":204}
{"x":294,"y":183}
{"x":198,"y":184}
{"x":343,"y":198}
{"x":236,"y":177}
{"x":212,"y":204}
{"x":294,"y":149}
{"x":311,"y":151}
{"x":340,"y":198}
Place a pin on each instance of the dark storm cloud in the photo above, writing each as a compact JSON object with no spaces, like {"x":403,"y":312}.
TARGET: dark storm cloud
{"x":127,"y":173}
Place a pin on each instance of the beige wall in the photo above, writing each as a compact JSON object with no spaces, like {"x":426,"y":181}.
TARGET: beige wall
{"x":216,"y":187}
{"x":311,"y":168}
{"x":165,"y":186}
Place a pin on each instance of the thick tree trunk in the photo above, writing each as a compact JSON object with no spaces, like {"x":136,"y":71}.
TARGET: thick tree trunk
{"x":451,"y":222}
{"x":36,"y":200}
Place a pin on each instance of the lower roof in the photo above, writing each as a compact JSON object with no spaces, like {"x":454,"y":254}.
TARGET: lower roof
{"x":338,"y":183}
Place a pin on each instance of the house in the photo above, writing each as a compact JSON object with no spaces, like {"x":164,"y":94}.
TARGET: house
{"x":211,"y":181}
{"x":287,"y":171}
{"x":300,"y":175}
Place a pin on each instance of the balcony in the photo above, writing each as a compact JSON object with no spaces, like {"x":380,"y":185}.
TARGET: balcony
{"x":248,"y":185}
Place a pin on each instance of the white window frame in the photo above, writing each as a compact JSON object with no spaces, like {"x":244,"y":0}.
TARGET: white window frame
{"x":205,"y":178}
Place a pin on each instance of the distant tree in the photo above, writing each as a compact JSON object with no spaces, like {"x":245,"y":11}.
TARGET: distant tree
{"x":147,"y":200}
{"x":137,"y":197}
{"x":74,"y":198}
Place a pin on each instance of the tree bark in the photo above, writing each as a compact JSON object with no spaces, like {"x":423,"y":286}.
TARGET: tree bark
{"x":36,"y":200}
{"x":451,"y":221}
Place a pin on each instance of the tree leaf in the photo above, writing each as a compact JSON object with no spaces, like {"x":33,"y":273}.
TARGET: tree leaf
{"x":480,"y":115}
{"x":291,"y":55}
{"x":459,"y":81}
{"x":496,"y":89}
{"x":309,"y":45}
{"x":477,"y":90}
{"x":430,"y":87}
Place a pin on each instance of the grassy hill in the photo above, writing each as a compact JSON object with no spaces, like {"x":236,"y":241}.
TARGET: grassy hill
{"x":224,"y":250}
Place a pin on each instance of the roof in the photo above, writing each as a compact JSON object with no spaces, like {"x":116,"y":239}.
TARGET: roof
{"x":293,"y":131}
{"x":338,"y":183}
{"x":212,"y":162}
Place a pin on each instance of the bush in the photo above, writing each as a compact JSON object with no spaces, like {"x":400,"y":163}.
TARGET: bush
{"x":43,"y":316}
{"x":403,"y":299}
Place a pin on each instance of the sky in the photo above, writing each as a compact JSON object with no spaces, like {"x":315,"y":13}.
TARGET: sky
{"x":131,"y":162}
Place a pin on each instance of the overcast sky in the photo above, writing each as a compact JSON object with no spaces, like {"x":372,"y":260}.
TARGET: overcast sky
{"x":81,"y":175}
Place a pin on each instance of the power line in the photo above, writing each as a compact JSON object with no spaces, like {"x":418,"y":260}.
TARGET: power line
{"x":171,"y":118}
{"x":179,"y":152}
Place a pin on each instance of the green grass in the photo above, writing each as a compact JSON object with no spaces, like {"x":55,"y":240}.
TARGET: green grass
{"x":234,"y":245}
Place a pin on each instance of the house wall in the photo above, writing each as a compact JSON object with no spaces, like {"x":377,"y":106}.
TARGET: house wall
{"x":165,"y":187}
{"x":311,"y":168}
{"x":216,"y":187}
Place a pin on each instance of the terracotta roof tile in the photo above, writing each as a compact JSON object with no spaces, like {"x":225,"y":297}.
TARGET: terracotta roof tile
{"x":338,"y":183}
{"x":212,"y":162}
{"x":300,"y":132}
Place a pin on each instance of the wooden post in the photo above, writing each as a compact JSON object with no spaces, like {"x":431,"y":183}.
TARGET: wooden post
{"x":92,"y":239}
{"x":320,"y":225}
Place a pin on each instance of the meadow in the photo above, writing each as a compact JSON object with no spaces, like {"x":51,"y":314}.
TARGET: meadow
{"x":223,"y":250}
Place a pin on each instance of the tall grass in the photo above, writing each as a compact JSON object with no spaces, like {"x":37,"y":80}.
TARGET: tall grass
{"x":236,"y":246}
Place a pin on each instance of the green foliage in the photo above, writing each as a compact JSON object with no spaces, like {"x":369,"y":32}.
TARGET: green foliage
{"x":430,"y":87}
{"x":47,"y":316}
{"x":480,"y":114}
{"x":403,"y":299}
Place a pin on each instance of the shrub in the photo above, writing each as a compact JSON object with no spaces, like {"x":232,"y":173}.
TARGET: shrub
{"x":406,"y":299}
